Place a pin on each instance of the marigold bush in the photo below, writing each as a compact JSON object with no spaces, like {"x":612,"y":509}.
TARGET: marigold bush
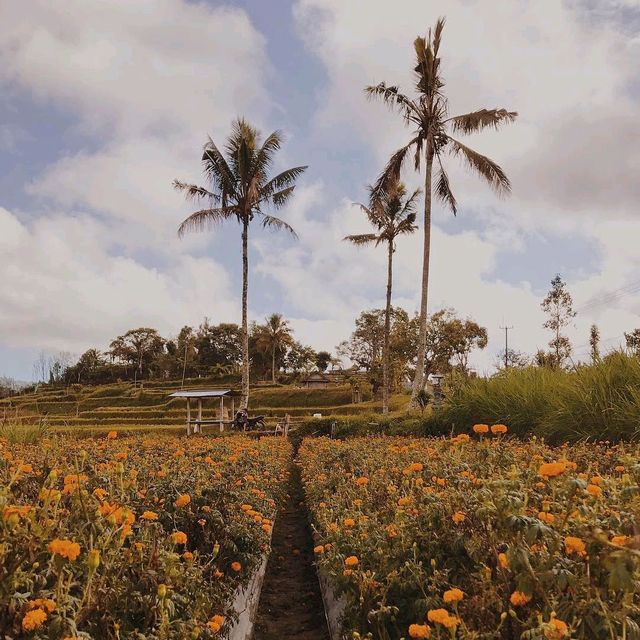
{"x":487,"y":538}
{"x":133,"y":537}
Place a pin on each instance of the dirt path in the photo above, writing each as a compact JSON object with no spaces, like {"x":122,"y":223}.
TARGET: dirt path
{"x":290,"y":603}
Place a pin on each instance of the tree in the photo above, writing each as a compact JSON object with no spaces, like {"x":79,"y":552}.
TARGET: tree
{"x":323,"y":360}
{"x":428,"y":115}
{"x":137,"y":347}
{"x":300,"y":358}
{"x":275,"y":338}
{"x":218,"y":347}
{"x":515,"y":360}
{"x":241,"y":190}
{"x":632,"y":340}
{"x":594,"y":343}
{"x":559,"y":306}
{"x":391,"y":214}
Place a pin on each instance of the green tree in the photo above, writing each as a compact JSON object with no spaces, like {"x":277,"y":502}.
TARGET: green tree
{"x":300,"y":358}
{"x":558,"y":305}
{"x":428,"y":115}
{"x":218,"y":347}
{"x":391,"y":214}
{"x":274,"y":337}
{"x":323,"y":360}
{"x":241,"y":189}
{"x":632,"y":340}
{"x":137,"y":347}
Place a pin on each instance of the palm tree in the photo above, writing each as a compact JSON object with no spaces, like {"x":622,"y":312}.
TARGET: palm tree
{"x":241,"y":189}
{"x":274,"y":337}
{"x":392,"y":215}
{"x":427,"y":113}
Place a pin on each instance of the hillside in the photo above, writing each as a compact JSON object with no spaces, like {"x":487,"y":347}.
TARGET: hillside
{"x":123,"y":405}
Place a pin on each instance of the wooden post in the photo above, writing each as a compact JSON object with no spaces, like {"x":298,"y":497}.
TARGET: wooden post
{"x":233,"y":408}
{"x":188,"y":416}
{"x":221,"y":414}
{"x":199,"y":415}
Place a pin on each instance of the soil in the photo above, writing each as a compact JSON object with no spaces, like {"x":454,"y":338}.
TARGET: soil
{"x":290,"y":602}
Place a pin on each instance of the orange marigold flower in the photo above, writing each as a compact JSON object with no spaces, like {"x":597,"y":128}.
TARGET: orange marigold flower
{"x":65,"y":548}
{"x":458,"y":517}
{"x":546,"y":517}
{"x":453,"y":595}
{"x":183,"y":500}
{"x":112,"y":435}
{"x":556,"y":629}
{"x":26,"y":468}
{"x":503,"y":561}
{"x":236,"y":566}
{"x":419,"y":630}
{"x":481,"y":428}
{"x":100,"y":493}
{"x":621,"y":541}
{"x":42,"y":603}
{"x":519,"y":599}
{"x":594,"y":490}
{"x":318,"y":549}
{"x":499,"y":428}
{"x":552,"y":469}
{"x":362,"y":481}
{"x":404,"y":501}
{"x":149,"y":515}
{"x":443,"y":617}
{"x":215,"y":624}
{"x":179,"y":537}
{"x":619,"y":468}
{"x":349,"y":522}
{"x":34,"y":619}
{"x":574,"y":545}
{"x":351,"y":561}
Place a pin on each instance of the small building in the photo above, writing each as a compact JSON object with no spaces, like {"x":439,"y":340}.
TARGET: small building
{"x":224,"y":415}
{"x":316,"y":380}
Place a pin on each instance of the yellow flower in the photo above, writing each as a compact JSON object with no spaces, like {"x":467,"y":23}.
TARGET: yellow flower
{"x":351,"y":561}
{"x":519,"y":599}
{"x":34,"y":619}
{"x":64,"y":548}
{"x":453,"y":595}
{"x":574,"y":545}
{"x":419,"y":631}
{"x":93,"y":559}
{"x":183,"y":500}
{"x":443,"y":617}
{"x":179,"y":537}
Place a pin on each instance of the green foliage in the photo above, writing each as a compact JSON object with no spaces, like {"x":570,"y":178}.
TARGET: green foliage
{"x":600,"y":401}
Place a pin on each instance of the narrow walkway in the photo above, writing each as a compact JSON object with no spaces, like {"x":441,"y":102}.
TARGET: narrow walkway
{"x":290,"y":603}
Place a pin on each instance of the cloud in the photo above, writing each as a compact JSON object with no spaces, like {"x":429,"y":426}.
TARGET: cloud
{"x":63,"y":290}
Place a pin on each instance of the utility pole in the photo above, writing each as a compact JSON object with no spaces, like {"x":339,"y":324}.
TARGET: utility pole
{"x":506,"y":346}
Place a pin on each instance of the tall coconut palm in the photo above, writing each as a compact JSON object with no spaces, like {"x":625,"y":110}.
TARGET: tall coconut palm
{"x":431,"y":138}
{"x":241,"y":189}
{"x":274,"y":337}
{"x":392,"y":215}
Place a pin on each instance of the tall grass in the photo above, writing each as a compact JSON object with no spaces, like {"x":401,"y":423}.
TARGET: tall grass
{"x":14,"y":429}
{"x":601,"y":402}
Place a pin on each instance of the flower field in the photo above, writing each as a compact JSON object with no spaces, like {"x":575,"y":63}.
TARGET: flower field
{"x":479,"y":536}
{"x":132,"y":537}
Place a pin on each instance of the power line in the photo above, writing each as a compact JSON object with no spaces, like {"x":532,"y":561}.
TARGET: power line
{"x":506,"y":345}
{"x":611,"y":296}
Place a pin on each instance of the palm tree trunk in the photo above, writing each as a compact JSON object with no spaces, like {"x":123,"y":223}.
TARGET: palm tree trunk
{"x":387,"y":332}
{"x":273,"y":364}
{"x":418,"y":381}
{"x":245,"y":323}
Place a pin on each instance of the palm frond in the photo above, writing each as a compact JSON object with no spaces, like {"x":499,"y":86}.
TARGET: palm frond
{"x":206,"y":218}
{"x":362,"y":239}
{"x":481,"y":119}
{"x":484,"y":166}
{"x":218,"y":171}
{"x":282,"y":180}
{"x":193,"y":191}
{"x":392,"y":97}
{"x":272,"y":222}
{"x":409,"y":206}
{"x":264,"y":156}
{"x":279,"y":198}
{"x":390,"y":175}
{"x":374,"y":211}
{"x":407,"y":225}
{"x":443,"y":188}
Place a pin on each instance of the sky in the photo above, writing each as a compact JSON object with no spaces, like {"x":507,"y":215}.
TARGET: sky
{"x":104,"y":103}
